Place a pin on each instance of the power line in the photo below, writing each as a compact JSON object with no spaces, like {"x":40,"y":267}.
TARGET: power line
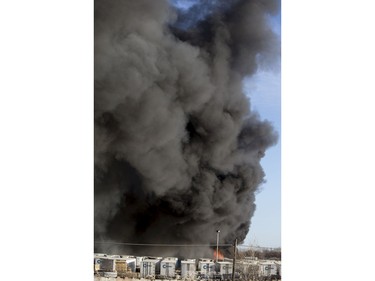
{"x":165,"y":245}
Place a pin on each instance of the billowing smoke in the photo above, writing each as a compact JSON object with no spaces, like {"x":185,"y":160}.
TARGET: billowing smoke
{"x":177,"y":148}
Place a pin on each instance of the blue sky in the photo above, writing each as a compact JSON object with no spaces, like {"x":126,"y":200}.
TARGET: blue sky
{"x":264,"y":90}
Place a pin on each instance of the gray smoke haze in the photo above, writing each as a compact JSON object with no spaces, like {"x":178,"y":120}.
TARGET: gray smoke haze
{"x":177,"y":149}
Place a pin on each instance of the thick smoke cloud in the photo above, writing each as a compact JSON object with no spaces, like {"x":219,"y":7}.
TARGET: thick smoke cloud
{"x":177,"y":149}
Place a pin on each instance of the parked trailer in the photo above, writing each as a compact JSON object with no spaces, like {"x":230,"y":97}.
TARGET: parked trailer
{"x":157,"y":267}
{"x":224,"y":269}
{"x":131,"y":264}
{"x":188,"y":268}
{"x":124,"y":265}
{"x":278,"y":265}
{"x":168,"y":267}
{"x":267,"y":269}
{"x":206,"y":267}
{"x":97,"y":263}
{"x":104,"y":264}
{"x":249,"y":270}
{"x":149,"y":267}
{"x":138,"y":263}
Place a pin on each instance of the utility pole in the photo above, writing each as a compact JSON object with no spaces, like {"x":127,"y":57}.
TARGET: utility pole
{"x":234,"y":258}
{"x":217,"y":245}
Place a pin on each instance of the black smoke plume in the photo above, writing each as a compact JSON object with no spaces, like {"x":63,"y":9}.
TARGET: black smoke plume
{"x":177,"y":148}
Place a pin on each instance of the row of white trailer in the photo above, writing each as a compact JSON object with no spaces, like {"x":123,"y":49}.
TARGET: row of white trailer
{"x":261,"y":268}
{"x":158,"y":266}
{"x":170,"y":267}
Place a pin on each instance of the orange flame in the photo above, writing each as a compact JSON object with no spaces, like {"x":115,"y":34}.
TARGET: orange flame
{"x":220,"y":256}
